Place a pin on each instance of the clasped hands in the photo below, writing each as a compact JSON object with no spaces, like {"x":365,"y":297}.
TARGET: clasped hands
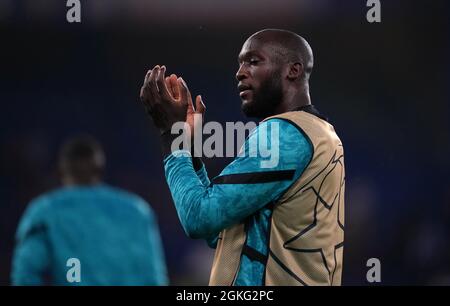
{"x":168,"y":100}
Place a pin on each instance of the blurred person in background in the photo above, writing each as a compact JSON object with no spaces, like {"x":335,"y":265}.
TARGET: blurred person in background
{"x":110,"y":234}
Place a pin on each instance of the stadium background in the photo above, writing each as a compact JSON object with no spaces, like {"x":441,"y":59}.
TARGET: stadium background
{"x":384,"y":87}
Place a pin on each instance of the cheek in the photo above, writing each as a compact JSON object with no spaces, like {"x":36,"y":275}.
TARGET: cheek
{"x":261,"y":75}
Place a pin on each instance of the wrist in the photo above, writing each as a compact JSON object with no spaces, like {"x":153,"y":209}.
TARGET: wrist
{"x":167,"y":138}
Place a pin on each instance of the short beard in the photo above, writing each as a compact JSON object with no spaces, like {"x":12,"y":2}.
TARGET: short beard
{"x":266,"y":100}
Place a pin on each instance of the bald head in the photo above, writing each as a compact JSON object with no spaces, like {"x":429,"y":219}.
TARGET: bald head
{"x":273,"y":74}
{"x":287,"y":46}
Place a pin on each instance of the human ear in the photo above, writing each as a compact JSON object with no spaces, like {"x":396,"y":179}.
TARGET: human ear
{"x":295,"y":71}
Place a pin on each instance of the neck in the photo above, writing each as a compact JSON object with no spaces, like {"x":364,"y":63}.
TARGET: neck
{"x":71,"y":181}
{"x":293,"y":99}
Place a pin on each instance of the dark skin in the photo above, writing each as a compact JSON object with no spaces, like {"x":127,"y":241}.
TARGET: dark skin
{"x":258,"y":63}
{"x":93,"y":169}
{"x":168,"y":100}
{"x":268,"y":85}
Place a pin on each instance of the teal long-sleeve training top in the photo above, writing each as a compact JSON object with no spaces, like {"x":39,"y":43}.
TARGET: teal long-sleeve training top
{"x":243,"y":190}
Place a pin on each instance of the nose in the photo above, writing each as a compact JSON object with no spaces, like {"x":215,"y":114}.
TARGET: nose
{"x":241,"y":73}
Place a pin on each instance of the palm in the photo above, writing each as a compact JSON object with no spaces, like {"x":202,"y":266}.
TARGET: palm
{"x":194,"y":122}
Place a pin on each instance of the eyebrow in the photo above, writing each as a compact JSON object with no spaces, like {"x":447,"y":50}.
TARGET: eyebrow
{"x":247,"y":54}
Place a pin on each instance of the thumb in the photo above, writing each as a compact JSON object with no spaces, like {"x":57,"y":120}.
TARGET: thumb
{"x":199,"y":105}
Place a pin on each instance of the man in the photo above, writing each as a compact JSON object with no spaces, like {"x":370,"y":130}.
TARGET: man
{"x":277,"y":226}
{"x":87,"y":233}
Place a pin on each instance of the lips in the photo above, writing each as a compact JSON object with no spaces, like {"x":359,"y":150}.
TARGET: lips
{"x":244,"y":89}
{"x":244,"y":93}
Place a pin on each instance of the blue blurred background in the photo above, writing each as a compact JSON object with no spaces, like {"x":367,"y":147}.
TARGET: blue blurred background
{"x":385,"y":87}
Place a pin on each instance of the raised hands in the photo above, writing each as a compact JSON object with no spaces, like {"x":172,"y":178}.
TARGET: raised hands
{"x":160,"y":104}
{"x":168,"y":100}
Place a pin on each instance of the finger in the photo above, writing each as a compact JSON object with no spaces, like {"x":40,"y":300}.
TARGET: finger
{"x":175,"y":86}
{"x":144,"y":99}
{"x":152,"y":88}
{"x":185,"y":95}
{"x":141,"y":95}
{"x":147,"y":75}
{"x":163,"y":91}
{"x":199,"y":105}
{"x":168,"y":85}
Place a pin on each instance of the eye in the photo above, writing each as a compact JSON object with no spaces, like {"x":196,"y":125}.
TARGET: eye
{"x":254,"y":61}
